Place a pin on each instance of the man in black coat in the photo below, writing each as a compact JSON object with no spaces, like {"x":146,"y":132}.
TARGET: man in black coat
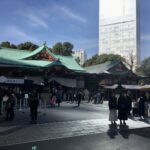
{"x":33,"y":103}
{"x":122,"y":109}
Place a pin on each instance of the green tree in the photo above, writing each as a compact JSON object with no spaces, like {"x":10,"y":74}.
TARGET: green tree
{"x":146,"y":66}
{"x":144,"y":69}
{"x":27,"y":46}
{"x":13,"y":46}
{"x":57,"y":48}
{"x":98,"y":59}
{"x":63,"y":48}
{"x":5,"y":44}
{"x":67,"y":48}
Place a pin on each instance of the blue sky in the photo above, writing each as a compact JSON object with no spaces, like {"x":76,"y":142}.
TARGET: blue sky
{"x":145,"y":28}
{"x":54,"y":21}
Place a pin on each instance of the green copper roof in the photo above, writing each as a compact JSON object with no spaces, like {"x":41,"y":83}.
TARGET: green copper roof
{"x":38,"y":50}
{"x":69,"y":62}
{"x":101,"y":68}
{"x":10,"y":56}
{"x":14,"y":54}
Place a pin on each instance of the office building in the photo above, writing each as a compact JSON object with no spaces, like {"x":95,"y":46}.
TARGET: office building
{"x":81,"y":54}
{"x":119,"y":31}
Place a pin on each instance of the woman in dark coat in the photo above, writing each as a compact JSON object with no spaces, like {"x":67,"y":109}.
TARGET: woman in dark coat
{"x":112,"y":108}
{"x":122,"y":109}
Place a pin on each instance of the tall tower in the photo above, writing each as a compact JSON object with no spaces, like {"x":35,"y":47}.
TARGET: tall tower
{"x":119,"y":31}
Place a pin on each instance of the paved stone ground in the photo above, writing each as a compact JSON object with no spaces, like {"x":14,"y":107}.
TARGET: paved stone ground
{"x":19,"y":133}
{"x":67,"y":112}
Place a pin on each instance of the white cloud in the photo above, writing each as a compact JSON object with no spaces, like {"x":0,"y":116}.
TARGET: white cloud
{"x":41,"y":17}
{"x":69,"y":13}
{"x":15,"y":33}
{"x":36,"y":20}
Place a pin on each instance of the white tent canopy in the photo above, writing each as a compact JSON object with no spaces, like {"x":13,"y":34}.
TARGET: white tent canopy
{"x":128,"y":87}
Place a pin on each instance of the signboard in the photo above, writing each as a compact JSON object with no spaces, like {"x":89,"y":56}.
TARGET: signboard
{"x":11,"y":80}
{"x":15,"y":81}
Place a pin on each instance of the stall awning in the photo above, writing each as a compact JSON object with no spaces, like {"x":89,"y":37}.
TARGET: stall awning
{"x":65,"y":82}
{"x":129,"y":87}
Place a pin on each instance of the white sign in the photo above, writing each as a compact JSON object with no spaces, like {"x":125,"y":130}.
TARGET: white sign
{"x":15,"y":81}
{"x":9,"y":80}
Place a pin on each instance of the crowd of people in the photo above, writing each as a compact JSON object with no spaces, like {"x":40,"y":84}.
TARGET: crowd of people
{"x":10,"y":98}
{"x":123,"y":107}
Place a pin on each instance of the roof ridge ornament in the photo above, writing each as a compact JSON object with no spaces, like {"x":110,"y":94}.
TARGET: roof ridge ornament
{"x":44,"y":43}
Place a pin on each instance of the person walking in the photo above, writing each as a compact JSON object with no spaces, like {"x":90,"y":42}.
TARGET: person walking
{"x":10,"y":107}
{"x":33,"y":103}
{"x":129,"y":103}
{"x":135,"y":109}
{"x":59,"y":97}
{"x":112,"y":109}
{"x":12,"y":101}
{"x":98,"y":96}
{"x":122,"y":109}
{"x":147,"y":102}
{"x":142,"y":106}
{"x":53,"y":100}
{"x":79,"y":97}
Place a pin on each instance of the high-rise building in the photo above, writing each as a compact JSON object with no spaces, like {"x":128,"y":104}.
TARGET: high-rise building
{"x":81,"y":54}
{"x":119,"y":31}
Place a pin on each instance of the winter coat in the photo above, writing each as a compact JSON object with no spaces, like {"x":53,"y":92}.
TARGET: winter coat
{"x":112,"y":103}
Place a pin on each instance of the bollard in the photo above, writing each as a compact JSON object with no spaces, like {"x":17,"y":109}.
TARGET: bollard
{"x":20,"y":108}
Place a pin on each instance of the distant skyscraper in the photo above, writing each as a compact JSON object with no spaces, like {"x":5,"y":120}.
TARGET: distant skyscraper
{"x":119,"y":28}
{"x":81,"y":54}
